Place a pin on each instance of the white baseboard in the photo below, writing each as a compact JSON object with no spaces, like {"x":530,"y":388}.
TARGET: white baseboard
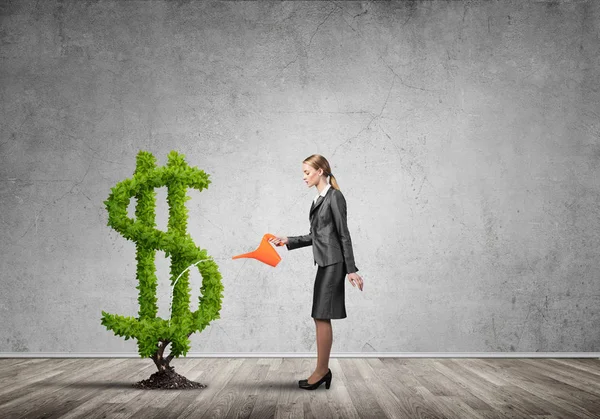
{"x":311,"y":355}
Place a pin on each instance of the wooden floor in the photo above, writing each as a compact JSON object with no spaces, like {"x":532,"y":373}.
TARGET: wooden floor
{"x":268,"y":388}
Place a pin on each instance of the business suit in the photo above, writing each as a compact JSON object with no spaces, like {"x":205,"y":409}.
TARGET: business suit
{"x":332,"y":251}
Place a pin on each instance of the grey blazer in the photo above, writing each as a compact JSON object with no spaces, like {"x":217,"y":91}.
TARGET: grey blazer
{"x":328,"y":235}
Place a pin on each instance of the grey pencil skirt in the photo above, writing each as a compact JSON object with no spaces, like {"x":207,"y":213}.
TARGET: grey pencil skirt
{"x":329,"y":299}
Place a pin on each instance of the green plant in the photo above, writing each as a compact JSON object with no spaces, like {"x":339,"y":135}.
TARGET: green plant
{"x":153,"y":333}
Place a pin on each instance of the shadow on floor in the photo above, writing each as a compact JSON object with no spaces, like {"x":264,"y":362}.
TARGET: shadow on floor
{"x":106,"y":385}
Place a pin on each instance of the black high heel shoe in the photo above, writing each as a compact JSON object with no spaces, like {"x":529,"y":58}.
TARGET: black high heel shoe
{"x":326,"y":379}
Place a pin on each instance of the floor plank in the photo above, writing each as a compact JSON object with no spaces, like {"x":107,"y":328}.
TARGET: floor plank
{"x":258,"y":388}
{"x":365,"y":402}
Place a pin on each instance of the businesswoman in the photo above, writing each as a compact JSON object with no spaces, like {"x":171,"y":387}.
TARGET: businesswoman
{"x":332,"y":251}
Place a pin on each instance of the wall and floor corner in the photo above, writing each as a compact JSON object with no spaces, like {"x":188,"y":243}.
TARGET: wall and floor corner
{"x":465,"y":137}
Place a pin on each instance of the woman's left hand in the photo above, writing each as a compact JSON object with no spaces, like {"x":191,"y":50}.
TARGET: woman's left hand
{"x":355,"y":279}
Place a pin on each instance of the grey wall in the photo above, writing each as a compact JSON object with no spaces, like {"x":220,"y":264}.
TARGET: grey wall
{"x":464,"y":136}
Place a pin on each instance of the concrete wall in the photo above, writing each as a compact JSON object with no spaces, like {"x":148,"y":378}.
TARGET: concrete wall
{"x":464,"y":136}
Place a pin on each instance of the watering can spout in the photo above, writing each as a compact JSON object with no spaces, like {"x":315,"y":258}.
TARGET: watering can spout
{"x":265,"y":252}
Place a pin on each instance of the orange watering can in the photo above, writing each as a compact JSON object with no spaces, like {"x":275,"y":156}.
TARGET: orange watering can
{"x":265,"y":252}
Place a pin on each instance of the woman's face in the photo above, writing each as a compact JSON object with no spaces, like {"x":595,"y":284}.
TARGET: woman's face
{"x":311,"y":175}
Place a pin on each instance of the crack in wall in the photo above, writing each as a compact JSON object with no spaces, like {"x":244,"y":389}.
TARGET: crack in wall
{"x":47,"y":204}
{"x":370,"y":122}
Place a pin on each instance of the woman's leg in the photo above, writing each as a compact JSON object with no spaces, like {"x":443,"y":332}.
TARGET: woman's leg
{"x":324,"y":342}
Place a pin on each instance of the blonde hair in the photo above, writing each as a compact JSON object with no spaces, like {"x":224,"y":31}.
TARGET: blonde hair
{"x":319,"y":162}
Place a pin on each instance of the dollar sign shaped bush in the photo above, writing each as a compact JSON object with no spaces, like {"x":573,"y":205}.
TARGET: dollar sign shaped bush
{"x":153,"y":333}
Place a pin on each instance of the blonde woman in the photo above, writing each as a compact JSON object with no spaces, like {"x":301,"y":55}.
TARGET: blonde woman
{"x":332,"y":251}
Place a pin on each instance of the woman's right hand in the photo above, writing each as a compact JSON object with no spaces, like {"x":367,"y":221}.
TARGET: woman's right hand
{"x":279,"y":240}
